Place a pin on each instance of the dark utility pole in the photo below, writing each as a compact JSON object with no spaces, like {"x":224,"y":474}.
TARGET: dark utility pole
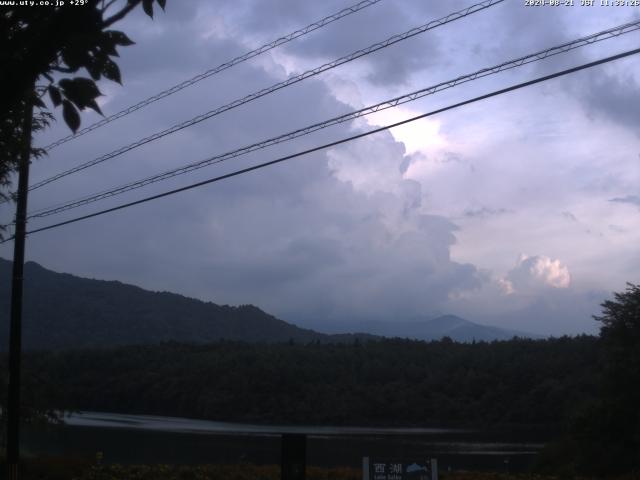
{"x":294,"y":457}
{"x":15,"y":333}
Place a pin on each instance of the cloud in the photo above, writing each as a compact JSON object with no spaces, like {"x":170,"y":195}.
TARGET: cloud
{"x":536,"y":296}
{"x":484,"y":212}
{"x":615,"y":95}
{"x":617,"y":228}
{"x":559,"y":312}
{"x":631,"y":199}
{"x":390,"y":67}
{"x":506,"y":286}
{"x":536,"y":272}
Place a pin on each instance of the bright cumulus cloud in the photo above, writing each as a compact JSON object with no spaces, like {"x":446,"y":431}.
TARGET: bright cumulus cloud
{"x":536,"y":271}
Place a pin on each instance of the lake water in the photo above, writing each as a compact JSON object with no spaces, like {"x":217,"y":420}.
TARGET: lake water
{"x":154,"y":439}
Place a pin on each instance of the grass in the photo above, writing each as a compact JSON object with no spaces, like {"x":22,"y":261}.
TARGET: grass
{"x":67,"y":468}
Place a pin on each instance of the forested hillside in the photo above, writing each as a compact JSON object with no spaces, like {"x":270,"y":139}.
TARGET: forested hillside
{"x":65,"y":311}
{"x":396,"y":382}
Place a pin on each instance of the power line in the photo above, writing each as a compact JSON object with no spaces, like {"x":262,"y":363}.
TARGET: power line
{"x":213,"y":71}
{"x":338,"y":142}
{"x":290,"y":81}
{"x":534,"y":57}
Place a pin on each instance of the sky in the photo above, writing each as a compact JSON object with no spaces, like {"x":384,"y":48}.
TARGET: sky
{"x":521,"y":211}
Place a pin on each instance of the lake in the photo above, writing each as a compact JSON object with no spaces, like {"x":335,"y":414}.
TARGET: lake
{"x":154,"y":439}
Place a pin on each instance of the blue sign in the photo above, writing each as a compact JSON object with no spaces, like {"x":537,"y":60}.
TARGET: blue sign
{"x":388,"y":469}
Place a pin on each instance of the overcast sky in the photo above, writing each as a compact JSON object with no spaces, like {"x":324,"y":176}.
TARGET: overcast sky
{"x":521,"y":211}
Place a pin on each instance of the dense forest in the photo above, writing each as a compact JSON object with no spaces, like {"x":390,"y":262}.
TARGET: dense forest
{"x":396,"y":382}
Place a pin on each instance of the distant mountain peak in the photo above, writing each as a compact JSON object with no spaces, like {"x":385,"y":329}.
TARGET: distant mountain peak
{"x":431,"y":328}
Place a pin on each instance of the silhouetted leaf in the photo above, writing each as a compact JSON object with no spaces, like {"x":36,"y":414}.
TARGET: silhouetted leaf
{"x":54,"y":93}
{"x":147,"y":6}
{"x":94,"y":69}
{"x":76,"y":55}
{"x":65,"y":83}
{"x":108,"y":45}
{"x":111,"y":71}
{"x":87,"y":87}
{"x":71,"y":58}
{"x":70,"y":115}
{"x":119,"y":38}
{"x":94,"y":106}
{"x":162,"y":3}
{"x":80,"y":90}
{"x":39,"y":103}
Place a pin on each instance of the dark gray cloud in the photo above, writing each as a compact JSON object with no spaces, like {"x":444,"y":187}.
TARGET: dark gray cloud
{"x":569,"y":216}
{"x":617,"y":228}
{"x":632,"y":199}
{"x":616,"y":96}
{"x":484,"y":212}
{"x":391,"y":66}
{"x":172,"y":51}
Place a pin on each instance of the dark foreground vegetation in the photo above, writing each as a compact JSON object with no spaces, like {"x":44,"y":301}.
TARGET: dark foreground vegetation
{"x":84,"y":469}
{"x":394,"y":382}
{"x":55,"y":468}
{"x":52,"y":468}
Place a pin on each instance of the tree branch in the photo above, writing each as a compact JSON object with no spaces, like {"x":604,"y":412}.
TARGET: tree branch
{"x":107,"y":6}
{"x":121,"y":14}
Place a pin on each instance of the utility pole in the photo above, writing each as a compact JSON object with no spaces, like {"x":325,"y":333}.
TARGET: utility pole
{"x":15,"y":332}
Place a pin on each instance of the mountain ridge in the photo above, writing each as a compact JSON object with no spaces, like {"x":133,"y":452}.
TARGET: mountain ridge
{"x":64,"y":311}
{"x":434,"y":328}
